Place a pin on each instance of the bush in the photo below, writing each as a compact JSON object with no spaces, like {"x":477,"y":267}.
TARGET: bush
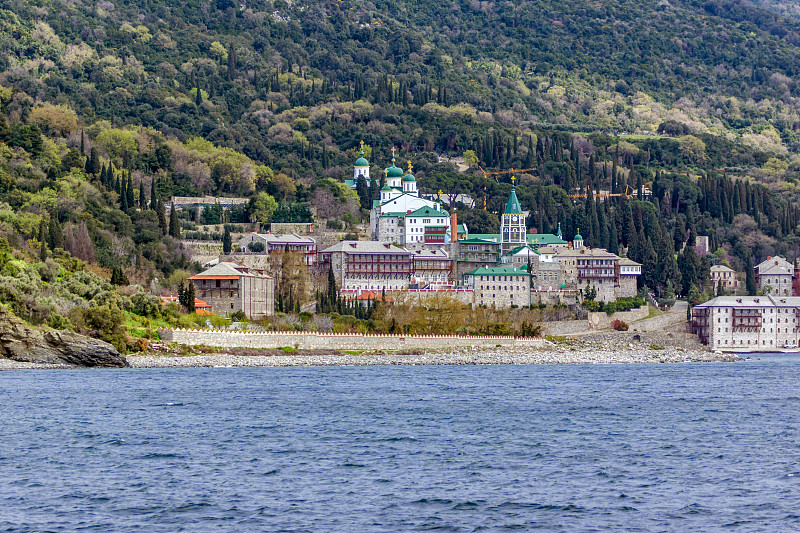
{"x":107,"y":321}
{"x":255,"y":247}
{"x":619,"y":325}
{"x":591,"y":305}
{"x":146,"y":305}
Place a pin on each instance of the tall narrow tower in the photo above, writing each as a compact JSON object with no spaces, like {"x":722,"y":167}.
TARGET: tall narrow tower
{"x":361,"y":167}
{"x":512,"y":223}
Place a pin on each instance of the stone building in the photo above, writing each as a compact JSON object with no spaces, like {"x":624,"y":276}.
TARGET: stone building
{"x":774,"y":276}
{"x":431,"y":268}
{"x":748,"y":323}
{"x":720,"y":274}
{"x":229,"y":288}
{"x":368,"y":265}
{"x":274,"y":243}
{"x":500,"y":287}
{"x":594,"y":268}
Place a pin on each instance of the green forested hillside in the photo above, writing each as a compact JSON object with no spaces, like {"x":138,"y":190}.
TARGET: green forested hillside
{"x":109,"y":107}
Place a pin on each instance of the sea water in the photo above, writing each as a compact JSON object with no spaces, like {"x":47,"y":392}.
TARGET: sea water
{"x":678,"y":447}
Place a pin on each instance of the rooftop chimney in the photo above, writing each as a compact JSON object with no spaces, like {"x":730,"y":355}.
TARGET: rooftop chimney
{"x":453,"y":226}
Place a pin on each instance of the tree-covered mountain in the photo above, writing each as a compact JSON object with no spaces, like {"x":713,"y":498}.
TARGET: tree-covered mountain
{"x":285,"y":79}
{"x":108,"y":108}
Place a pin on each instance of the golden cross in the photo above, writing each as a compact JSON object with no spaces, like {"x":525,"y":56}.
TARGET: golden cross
{"x":440,"y":192}
{"x":386,"y":172}
{"x":362,"y":146}
{"x":513,"y":179}
{"x":392,"y":151}
{"x":409,"y":166}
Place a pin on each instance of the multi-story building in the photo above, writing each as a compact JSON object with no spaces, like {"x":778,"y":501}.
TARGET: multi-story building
{"x":432,"y":268}
{"x":774,"y":276}
{"x":500,"y":287}
{"x":748,"y":323}
{"x":402,"y":216}
{"x":594,"y":268}
{"x":368,"y":265}
{"x":229,"y":288}
{"x":279,"y":243}
{"x":724,"y":276}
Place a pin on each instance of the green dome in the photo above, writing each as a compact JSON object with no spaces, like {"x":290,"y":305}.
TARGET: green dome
{"x":578,"y":237}
{"x":394,"y":172}
{"x":361,"y":162}
{"x":409,"y":177}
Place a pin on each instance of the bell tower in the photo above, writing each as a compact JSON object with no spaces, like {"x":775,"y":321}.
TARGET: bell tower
{"x":512,"y":223}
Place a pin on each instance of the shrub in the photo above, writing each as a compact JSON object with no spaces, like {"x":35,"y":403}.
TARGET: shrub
{"x":146,"y":305}
{"x":619,"y":325}
{"x":107,"y":320}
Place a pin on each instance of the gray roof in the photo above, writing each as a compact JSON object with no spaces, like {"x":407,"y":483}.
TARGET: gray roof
{"x":366,"y":247}
{"x":775,"y":266}
{"x":281,"y":238}
{"x":750,"y":302}
{"x":721,"y":268}
{"x":225,"y":269}
{"x":624,"y":261}
{"x":431,"y":254}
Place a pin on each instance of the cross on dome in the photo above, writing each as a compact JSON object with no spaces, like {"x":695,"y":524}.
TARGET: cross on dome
{"x":409,"y":166}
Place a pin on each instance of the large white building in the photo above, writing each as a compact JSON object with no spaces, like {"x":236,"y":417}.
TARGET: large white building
{"x":402,"y":216}
{"x":748,"y":323}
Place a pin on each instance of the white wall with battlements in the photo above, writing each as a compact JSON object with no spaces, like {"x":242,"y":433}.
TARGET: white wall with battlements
{"x":338,"y":341}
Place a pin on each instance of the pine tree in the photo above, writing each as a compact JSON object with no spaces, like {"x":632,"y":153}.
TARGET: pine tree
{"x":174,"y":225}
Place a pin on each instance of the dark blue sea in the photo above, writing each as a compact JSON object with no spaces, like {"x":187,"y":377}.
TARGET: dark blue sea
{"x":678,"y":447}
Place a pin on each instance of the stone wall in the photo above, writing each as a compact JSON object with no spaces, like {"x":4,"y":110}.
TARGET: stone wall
{"x":337,"y":341}
{"x":600,"y":320}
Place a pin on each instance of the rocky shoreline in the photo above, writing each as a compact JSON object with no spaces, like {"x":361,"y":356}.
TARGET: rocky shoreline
{"x":594,"y":348}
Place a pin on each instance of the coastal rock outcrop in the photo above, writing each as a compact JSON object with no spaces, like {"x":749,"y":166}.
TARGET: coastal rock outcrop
{"x":22,"y":342}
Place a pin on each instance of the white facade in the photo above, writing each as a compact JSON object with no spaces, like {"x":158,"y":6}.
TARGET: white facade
{"x":748,"y":323}
{"x":774,"y":276}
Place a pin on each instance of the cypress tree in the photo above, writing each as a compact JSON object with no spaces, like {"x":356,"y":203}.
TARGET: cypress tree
{"x":142,"y":197}
{"x":42,"y":240}
{"x":153,"y":195}
{"x":198,"y":98}
{"x":227,"y":244}
{"x":55,"y":238}
{"x":129,"y":192}
{"x":174,"y":225}
{"x":750,"y":277}
{"x":190,"y":295}
{"x":161,"y":214}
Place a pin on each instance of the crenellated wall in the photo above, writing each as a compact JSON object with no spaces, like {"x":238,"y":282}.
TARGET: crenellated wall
{"x":338,"y":341}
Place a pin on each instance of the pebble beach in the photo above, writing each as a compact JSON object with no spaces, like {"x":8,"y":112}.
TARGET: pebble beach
{"x":596,"y":348}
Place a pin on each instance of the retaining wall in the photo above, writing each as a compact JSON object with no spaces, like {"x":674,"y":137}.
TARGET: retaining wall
{"x":600,"y":320}
{"x":336,"y":341}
